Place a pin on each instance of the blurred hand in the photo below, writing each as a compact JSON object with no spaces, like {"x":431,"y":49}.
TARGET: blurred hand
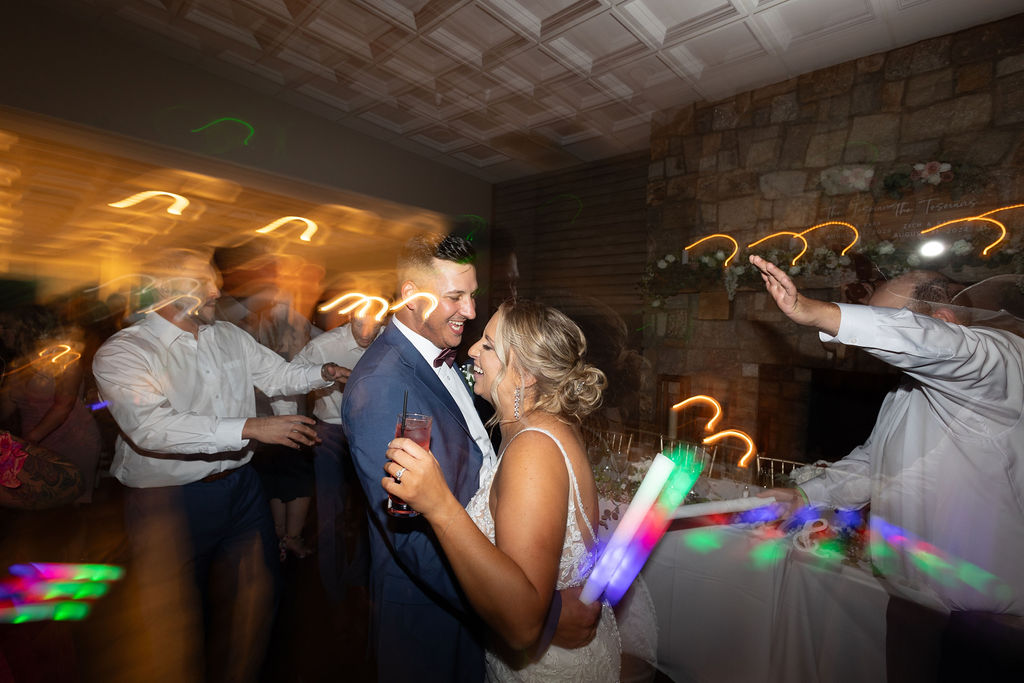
{"x":577,"y":623}
{"x":422,"y":484}
{"x":790,"y":500}
{"x":334,"y":372}
{"x":293,"y":431}
{"x":798,"y":308}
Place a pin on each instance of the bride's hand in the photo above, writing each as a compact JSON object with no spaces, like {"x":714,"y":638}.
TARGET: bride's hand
{"x":422,"y":484}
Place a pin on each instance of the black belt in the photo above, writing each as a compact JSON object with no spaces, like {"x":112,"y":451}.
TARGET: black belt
{"x":219,"y":475}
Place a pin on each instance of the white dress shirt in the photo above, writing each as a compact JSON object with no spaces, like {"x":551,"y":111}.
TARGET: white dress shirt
{"x":171,"y":393}
{"x":455,"y":385}
{"x":944,"y":463}
{"x":334,"y":346}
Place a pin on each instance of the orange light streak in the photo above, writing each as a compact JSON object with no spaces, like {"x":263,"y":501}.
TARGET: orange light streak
{"x":179,"y":204}
{"x":735,"y":246}
{"x":700,"y":398}
{"x":984,"y":252}
{"x":170,"y":300}
{"x":419,"y":295}
{"x":306,"y":236}
{"x":794,"y":235}
{"x":856,"y":235}
{"x":51,"y":354}
{"x":364,"y":300}
{"x":740,"y":435}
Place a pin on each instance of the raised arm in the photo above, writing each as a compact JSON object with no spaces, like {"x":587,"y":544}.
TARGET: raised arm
{"x":510,"y":584}
{"x":823,"y":315}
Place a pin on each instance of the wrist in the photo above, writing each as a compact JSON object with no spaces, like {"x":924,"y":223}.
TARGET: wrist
{"x":323,"y":372}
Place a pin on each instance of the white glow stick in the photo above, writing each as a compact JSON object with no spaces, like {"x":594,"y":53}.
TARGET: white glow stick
{"x":720,"y":507}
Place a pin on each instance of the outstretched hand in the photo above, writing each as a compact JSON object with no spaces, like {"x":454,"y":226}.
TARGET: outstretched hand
{"x":415,"y":476}
{"x":293,"y":431}
{"x":798,"y":308}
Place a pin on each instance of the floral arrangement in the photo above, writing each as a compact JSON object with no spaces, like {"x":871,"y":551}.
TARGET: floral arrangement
{"x":467,"y":373}
{"x":671,"y":274}
{"x":960,"y":178}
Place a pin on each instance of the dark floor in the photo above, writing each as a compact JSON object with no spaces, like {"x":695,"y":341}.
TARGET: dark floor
{"x":314,"y":638}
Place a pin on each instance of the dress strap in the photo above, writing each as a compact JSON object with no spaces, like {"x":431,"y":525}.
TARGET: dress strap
{"x":574,"y":485}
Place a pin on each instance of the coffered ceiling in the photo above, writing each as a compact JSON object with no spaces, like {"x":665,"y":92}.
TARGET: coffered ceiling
{"x":506,"y":88}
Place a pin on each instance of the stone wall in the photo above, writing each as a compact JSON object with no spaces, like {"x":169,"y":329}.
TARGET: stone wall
{"x":837,"y":144}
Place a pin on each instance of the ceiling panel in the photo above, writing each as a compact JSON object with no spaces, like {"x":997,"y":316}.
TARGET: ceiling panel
{"x":491,"y":85}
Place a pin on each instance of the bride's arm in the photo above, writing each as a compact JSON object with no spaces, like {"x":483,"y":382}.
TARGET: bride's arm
{"x":510,"y":585}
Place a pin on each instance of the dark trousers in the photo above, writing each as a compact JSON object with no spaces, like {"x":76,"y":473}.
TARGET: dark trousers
{"x":205,"y":555}
{"x":342,"y":542}
{"x":925,"y":645}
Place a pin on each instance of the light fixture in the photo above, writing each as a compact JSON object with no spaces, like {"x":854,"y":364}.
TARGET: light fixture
{"x":932,"y":248}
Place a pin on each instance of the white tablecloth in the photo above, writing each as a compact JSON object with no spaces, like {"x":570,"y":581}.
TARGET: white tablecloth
{"x":733,"y":606}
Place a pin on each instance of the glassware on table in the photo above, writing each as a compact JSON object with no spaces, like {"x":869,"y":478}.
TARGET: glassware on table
{"x":416,"y":427}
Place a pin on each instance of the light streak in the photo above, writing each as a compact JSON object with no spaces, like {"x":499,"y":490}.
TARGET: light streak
{"x":306,"y":236}
{"x":51,"y":354}
{"x":794,"y":235}
{"x":751,"y":449}
{"x":42,"y":591}
{"x":700,"y":398}
{"x":252,"y":131}
{"x":419,"y":295}
{"x":365,"y":300}
{"x":856,"y":235}
{"x":179,"y":204}
{"x":984,"y":252}
{"x":735,"y":246}
{"x":142,"y":276}
{"x":170,"y":300}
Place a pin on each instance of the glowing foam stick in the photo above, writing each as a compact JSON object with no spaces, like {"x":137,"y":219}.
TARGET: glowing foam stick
{"x":654,"y":524}
{"x":794,"y":235}
{"x":661,"y":491}
{"x":306,"y":236}
{"x":735,"y":246}
{"x":984,"y":252}
{"x":44,"y":611}
{"x":55,"y":571}
{"x":721,"y":507}
{"x":175,"y":209}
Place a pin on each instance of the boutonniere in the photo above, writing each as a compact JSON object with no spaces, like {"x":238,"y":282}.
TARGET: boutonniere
{"x":12,"y":459}
{"x":467,"y":372}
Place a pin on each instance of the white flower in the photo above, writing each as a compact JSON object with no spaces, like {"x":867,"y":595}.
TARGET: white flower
{"x":662,"y":264}
{"x":707,"y":260}
{"x":844,"y":260}
{"x":821,"y":252}
{"x":961,"y":247}
{"x":656,"y":303}
{"x":720,"y":255}
{"x":886,"y":247}
{"x":739,"y":270}
{"x":671,"y":258}
{"x":857,"y":178}
{"x":795,"y":270}
{"x":913,"y":260}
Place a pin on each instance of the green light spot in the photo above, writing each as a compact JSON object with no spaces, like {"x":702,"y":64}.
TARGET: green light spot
{"x":974,"y":576}
{"x":768,"y":553}
{"x":703,"y":540}
{"x":70,"y":611}
{"x":252,"y":131}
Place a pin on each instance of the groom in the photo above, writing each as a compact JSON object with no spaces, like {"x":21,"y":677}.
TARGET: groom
{"x":423,"y":627}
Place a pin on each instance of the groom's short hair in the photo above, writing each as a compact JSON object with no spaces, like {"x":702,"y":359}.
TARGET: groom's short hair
{"x":419,"y":252}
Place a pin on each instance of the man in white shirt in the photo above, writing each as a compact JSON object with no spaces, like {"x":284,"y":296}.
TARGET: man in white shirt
{"x":337,"y":488}
{"x":180,"y":387}
{"x":943,"y":468}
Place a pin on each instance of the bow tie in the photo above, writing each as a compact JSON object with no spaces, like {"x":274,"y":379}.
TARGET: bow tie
{"x":447,"y":357}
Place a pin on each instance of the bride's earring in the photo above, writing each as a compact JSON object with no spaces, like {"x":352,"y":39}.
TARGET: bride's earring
{"x":518,"y":400}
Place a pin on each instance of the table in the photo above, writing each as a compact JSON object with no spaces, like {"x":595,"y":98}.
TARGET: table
{"x":735,"y":605}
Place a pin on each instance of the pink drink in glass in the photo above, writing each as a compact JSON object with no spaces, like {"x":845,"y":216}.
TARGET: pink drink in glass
{"x":417,"y":428}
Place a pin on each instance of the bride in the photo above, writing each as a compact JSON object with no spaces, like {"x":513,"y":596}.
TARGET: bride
{"x":527,"y":531}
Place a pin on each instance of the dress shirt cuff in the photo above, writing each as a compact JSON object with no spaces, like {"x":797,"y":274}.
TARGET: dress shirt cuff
{"x":814,"y":491}
{"x":229,"y":434}
{"x":316,"y":377}
{"x":856,"y":326}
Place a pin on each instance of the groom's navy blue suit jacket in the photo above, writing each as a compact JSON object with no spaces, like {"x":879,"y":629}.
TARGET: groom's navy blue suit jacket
{"x":423,"y":627}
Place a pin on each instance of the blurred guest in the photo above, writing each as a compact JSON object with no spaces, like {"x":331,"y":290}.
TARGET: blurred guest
{"x":180,"y":386}
{"x":44,"y":383}
{"x":942,"y":469}
{"x":337,"y":488}
{"x":254,"y":301}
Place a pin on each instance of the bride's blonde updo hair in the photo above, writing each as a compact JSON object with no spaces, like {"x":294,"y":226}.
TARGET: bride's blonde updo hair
{"x":545,"y":343}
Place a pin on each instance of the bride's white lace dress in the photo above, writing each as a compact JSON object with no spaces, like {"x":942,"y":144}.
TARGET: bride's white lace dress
{"x":598,"y":661}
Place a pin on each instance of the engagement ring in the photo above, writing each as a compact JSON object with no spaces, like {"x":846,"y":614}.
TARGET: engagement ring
{"x":398,"y":475}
